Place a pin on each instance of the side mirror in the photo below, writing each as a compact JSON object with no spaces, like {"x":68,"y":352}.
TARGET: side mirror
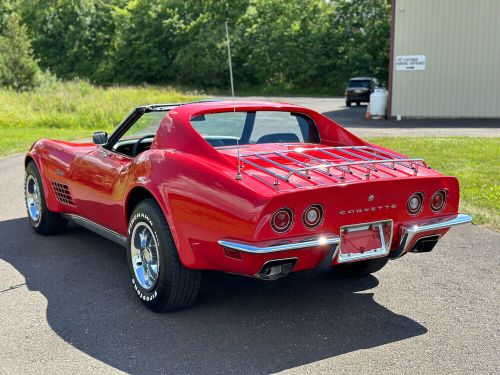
{"x":100,"y":138}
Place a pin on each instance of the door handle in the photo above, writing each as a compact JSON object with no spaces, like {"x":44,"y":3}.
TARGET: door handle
{"x":104,"y":153}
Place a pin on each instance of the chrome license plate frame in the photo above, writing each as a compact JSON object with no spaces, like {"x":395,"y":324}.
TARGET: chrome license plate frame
{"x":379,"y":252}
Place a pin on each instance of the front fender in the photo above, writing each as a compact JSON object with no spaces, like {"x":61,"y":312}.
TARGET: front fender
{"x":35,"y":154}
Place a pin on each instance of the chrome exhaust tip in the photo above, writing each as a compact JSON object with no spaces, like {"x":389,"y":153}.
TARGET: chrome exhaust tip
{"x":275,"y":269}
{"x":425,"y":244}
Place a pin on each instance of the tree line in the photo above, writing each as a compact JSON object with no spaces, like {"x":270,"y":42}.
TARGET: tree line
{"x":291,"y":45}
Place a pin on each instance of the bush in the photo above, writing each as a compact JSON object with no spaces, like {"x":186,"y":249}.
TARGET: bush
{"x":18,"y":68}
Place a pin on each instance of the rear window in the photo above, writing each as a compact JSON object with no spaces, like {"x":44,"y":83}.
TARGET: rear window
{"x":361,"y":84}
{"x":227,"y":128}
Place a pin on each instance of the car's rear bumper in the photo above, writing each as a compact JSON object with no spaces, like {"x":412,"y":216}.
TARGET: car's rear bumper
{"x":301,"y":243}
{"x":322,"y":251}
{"x":292,"y":254}
{"x":412,"y":233}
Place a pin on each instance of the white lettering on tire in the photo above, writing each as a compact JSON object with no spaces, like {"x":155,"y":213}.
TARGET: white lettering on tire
{"x":135,"y":219}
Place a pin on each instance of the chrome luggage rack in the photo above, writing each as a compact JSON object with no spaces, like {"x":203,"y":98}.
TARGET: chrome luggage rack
{"x":351,"y":156}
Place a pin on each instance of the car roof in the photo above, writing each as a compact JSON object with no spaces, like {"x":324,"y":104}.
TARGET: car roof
{"x":178,"y":121}
{"x":192,"y":109}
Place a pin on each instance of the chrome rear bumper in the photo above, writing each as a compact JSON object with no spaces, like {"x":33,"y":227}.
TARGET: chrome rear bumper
{"x":331,"y":242}
{"x":301,"y":244}
{"x":409,"y":232}
{"x":269,"y":270}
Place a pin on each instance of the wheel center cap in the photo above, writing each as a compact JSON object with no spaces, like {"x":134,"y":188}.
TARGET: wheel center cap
{"x":146,"y":255}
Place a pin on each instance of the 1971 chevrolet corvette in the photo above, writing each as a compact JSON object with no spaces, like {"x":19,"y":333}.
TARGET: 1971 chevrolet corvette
{"x":257,"y":189}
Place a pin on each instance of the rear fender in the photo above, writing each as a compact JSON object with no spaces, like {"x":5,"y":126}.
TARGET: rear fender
{"x":200,"y":201}
{"x":161,"y":198}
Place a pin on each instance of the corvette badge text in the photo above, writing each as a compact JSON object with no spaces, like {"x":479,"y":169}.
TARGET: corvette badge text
{"x":368,"y":209}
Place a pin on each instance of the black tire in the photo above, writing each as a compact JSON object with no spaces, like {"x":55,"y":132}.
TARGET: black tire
{"x":348,"y":103}
{"x":48,"y":222}
{"x":176,"y":286}
{"x":362,"y":268}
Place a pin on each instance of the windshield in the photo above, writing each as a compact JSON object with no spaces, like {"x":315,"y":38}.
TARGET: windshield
{"x":228,"y":128}
{"x":362,"y":84}
{"x":147,"y":124}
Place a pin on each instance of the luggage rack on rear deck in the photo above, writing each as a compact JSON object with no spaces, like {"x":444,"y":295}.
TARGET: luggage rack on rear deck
{"x":364,"y":158}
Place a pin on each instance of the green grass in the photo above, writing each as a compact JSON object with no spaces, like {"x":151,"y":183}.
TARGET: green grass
{"x":19,"y":140}
{"x":474,"y":161}
{"x":71,"y":110}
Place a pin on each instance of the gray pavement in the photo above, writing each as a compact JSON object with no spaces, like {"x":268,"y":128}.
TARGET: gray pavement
{"x":353,"y":119}
{"x":66,"y":307}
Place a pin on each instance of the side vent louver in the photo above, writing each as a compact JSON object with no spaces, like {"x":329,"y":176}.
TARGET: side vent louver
{"x":63,"y":194}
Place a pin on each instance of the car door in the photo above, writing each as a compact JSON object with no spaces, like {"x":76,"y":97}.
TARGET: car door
{"x":100,"y":185}
{"x":102,"y":179}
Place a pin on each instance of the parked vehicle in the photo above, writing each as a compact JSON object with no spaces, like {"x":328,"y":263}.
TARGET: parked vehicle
{"x":259,"y":189}
{"x":359,"y":89}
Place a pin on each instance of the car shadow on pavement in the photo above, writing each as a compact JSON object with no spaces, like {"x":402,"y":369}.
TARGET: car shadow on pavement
{"x":237,"y":325}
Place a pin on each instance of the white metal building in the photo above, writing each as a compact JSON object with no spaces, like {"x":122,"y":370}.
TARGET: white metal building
{"x":445,"y":59}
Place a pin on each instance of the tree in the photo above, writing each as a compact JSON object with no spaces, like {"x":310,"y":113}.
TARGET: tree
{"x":18,"y":68}
{"x":282,"y":43}
{"x":70,"y":37}
{"x":6,"y":8}
{"x":144,"y":43}
{"x":364,"y":29}
{"x":314,"y":45}
{"x":201,"y":57}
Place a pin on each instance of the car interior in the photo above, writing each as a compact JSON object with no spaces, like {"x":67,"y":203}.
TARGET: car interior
{"x":134,"y":146}
{"x":248,"y":128}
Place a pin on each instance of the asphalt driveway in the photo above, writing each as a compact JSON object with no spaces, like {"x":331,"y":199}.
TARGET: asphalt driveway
{"x":66,"y":307}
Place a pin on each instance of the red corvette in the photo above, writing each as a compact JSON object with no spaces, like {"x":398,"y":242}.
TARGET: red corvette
{"x":259,"y":189}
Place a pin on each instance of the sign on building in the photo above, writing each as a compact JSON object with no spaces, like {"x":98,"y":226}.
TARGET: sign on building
{"x":414,"y":62}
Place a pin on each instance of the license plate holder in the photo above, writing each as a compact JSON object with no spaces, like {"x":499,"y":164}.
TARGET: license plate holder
{"x":364,"y":241}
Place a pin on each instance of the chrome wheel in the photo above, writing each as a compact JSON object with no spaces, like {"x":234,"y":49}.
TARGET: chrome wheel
{"x":144,"y":254}
{"x":33,"y":198}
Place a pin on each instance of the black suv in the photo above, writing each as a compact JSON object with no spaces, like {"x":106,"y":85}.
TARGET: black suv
{"x":359,"y":90}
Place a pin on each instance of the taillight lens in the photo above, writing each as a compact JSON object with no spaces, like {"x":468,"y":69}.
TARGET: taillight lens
{"x":438,"y":200}
{"x":415,"y":203}
{"x":312,"y":216}
{"x":282,"y":220}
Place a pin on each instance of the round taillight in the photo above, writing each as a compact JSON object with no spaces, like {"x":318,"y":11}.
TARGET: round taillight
{"x":313,"y":215}
{"x":282,"y":220}
{"x":438,"y":200}
{"x":415,"y":203}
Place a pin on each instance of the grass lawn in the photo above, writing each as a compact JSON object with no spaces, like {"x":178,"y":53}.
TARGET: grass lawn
{"x":71,"y":110}
{"x":476,"y":163}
